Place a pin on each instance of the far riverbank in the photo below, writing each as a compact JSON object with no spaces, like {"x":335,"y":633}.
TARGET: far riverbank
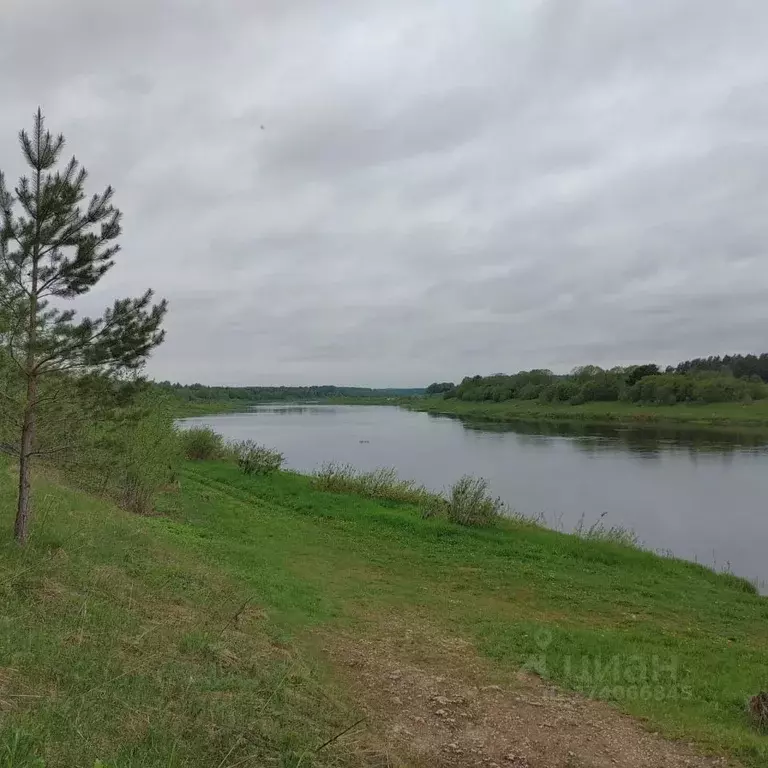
{"x":752,"y":415}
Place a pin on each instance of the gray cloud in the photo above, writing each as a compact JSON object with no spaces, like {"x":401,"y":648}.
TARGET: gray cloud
{"x":390,"y":192}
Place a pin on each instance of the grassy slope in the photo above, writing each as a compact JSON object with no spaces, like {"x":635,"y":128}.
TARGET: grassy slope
{"x":118,"y":644}
{"x":127,"y":620}
{"x":717,"y":414}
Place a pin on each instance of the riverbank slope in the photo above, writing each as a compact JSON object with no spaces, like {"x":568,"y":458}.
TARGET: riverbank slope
{"x":255,"y":619}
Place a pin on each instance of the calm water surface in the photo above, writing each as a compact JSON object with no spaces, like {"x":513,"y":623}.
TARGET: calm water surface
{"x":700,"y":495}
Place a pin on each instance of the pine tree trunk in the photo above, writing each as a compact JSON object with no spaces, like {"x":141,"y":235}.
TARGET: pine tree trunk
{"x":24,"y":509}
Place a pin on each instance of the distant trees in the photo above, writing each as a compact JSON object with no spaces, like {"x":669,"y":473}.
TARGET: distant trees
{"x":637,"y":372}
{"x":740,"y":366}
{"x":52,"y":250}
{"x":439,"y":388}
{"x":199,"y":393}
{"x":671,"y":388}
{"x":638,"y":383}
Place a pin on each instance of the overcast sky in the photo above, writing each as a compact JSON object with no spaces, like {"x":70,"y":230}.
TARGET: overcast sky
{"x":389,"y":192}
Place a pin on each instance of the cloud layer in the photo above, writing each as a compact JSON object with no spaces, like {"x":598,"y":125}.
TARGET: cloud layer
{"x":388,"y":192}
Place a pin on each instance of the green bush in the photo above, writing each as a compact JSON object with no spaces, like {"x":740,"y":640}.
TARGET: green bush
{"x":433,"y":505}
{"x":529,"y":391}
{"x":115,"y":439}
{"x":202,"y":444}
{"x":145,"y":456}
{"x":469,"y":502}
{"x":255,"y":459}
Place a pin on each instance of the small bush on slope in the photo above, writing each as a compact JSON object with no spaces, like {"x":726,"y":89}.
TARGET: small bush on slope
{"x":470,"y":503}
{"x":202,"y":444}
{"x":255,"y":459}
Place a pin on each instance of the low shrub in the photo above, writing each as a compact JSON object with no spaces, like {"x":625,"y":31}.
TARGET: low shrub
{"x":433,"y":505}
{"x":381,"y":483}
{"x":202,"y":444}
{"x":598,"y":531}
{"x":470,"y":503}
{"x":740,"y":583}
{"x":120,"y":445}
{"x":255,"y":459}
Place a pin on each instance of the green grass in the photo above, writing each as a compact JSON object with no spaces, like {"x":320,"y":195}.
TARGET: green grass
{"x":321,"y":558}
{"x":119,"y":640}
{"x":712,"y":415}
{"x":118,"y":643}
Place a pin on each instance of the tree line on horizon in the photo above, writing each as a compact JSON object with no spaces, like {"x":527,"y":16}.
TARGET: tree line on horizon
{"x":714,"y":379}
{"x":201,"y":393}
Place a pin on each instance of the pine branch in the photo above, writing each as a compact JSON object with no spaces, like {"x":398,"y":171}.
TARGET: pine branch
{"x":89,"y":219}
{"x":20,"y":318}
{"x":72,"y":349}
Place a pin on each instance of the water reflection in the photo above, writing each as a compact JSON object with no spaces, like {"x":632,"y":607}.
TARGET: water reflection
{"x":647,"y":441}
{"x":292,"y":410}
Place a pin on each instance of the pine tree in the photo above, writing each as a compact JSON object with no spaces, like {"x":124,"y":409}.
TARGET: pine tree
{"x":55,"y":250}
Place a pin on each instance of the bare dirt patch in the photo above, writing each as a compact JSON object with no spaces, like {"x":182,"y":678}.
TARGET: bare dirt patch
{"x":430,"y":700}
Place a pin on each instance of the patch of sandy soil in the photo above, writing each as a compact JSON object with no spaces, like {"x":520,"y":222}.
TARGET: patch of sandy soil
{"x":431,"y":701}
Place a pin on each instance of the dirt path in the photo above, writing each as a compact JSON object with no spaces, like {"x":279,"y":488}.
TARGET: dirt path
{"x":431,"y":701}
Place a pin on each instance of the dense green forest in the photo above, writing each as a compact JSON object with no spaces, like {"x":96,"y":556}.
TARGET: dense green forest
{"x":439,"y":387}
{"x":199,"y":393}
{"x":733,"y":378}
{"x":740,"y":366}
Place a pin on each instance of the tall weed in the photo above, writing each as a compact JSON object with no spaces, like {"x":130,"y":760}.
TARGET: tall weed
{"x":470,"y":503}
{"x":598,"y":531}
{"x":382,"y":483}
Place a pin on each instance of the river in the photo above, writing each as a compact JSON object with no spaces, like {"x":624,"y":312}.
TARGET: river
{"x":700,"y":495}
